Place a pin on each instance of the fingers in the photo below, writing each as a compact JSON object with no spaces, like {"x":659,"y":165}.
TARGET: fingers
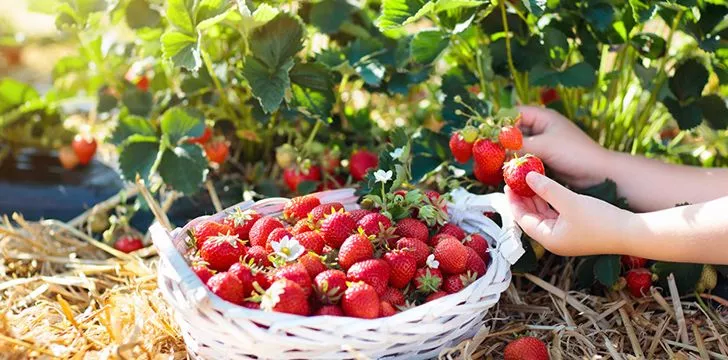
{"x":552,"y":192}
{"x":535,"y":119}
{"x":538,"y":227}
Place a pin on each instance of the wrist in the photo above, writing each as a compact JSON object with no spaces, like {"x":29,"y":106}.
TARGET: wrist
{"x":634,"y":235}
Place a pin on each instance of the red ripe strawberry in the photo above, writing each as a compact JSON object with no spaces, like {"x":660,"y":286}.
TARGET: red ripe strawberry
{"x":639,"y":281}
{"x":217,"y":151}
{"x":434,"y":197}
{"x":374,"y":272}
{"x":241,"y":222}
{"x":374,"y":223}
{"x":526,"y":348}
{"x":478,"y":243}
{"x":633,"y":262}
{"x":355,"y":248}
{"x":330,"y":286}
{"x":419,"y":249}
{"x":548,"y":95}
{"x":261,"y":230}
{"x":515,"y":171}
{"x":262,"y":279}
{"x":259,"y":255}
{"x":227,"y":287}
{"x":452,"y":255}
{"x":511,"y":138}
{"x":285,"y":296}
{"x":128,"y":243}
{"x":203,"y":139}
{"x":297,"y":273}
{"x":245,"y":274}
{"x":311,"y":240}
{"x":84,"y":148}
{"x":312,"y":263}
{"x":436,"y":295}
{"x":493,"y":179}
{"x":428,"y":280}
{"x":336,"y":227}
{"x":299,"y":207}
{"x":461,"y":150}
{"x":203,"y":272}
{"x":301,"y":227}
{"x":359,"y":214}
{"x":457,"y":282}
{"x":360,"y":300}
{"x":488,"y":155}
{"x":475,"y":263}
{"x":361,"y":162}
{"x":275,"y":236}
{"x":412,"y":228}
{"x":251,"y":305}
{"x":403,"y":267}
{"x":207,"y":229}
{"x":439,"y":237}
{"x":393,"y":296}
{"x":330,"y":310}
{"x":454,"y":230}
{"x":320,"y":212}
{"x":386,"y":309}
{"x":293,"y":176}
{"x":221,"y":251}
{"x":67,"y":157}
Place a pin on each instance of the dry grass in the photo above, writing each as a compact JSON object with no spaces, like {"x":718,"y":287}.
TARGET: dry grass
{"x":64,"y":295}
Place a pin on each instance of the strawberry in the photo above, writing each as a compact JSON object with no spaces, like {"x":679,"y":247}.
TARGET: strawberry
{"x":708,"y":279}
{"x":639,"y":281}
{"x":251,"y":305}
{"x":475,"y":263}
{"x":403,"y":267}
{"x":436,"y":200}
{"x":428,"y":280}
{"x":262,"y":279}
{"x":453,"y":230}
{"x":203,"y":272}
{"x":261,"y":230}
{"x":320,"y":212}
{"x":128,"y":243}
{"x":227,"y":287}
{"x":452,"y":255}
{"x":330,"y":286}
{"x":526,"y":348}
{"x":207,"y":229}
{"x":311,"y":240}
{"x":386,"y":309}
{"x":478,"y":243}
{"x":330,"y":310}
{"x":393,"y":296}
{"x":84,"y":148}
{"x":297,"y":273}
{"x":374,"y":272}
{"x":217,"y":151}
{"x":355,"y":248}
{"x":436,"y":295}
{"x":511,"y":138}
{"x":293,"y":176}
{"x":221,"y":251}
{"x":360,"y":300}
{"x":374,"y":223}
{"x":412,"y":228}
{"x":455,"y":283}
{"x":548,"y":95}
{"x":312,"y":263}
{"x":633,"y":262}
{"x":493,"y":179}
{"x":202,"y":139}
{"x":439,"y":237}
{"x":259,"y":256}
{"x":67,"y":157}
{"x":276,"y":236}
{"x":302,"y":226}
{"x":489,"y":156}
{"x":461,"y":150}
{"x":285,"y":296}
{"x":299,"y":207}
{"x":419,"y":249}
{"x":359,"y":214}
{"x":515,"y":171}
{"x":241,"y":222}
{"x":246,"y":274}
{"x":336,"y":227}
{"x":361,"y":162}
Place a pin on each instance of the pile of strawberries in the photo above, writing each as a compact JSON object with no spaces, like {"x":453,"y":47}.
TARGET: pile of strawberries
{"x":320,"y":259}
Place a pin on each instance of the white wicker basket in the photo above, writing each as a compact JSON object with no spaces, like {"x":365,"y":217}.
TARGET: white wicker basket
{"x":215,"y":329}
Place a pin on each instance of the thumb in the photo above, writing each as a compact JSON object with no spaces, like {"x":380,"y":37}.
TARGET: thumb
{"x":554,"y":193}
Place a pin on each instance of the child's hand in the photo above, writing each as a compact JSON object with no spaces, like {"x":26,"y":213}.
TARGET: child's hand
{"x":576,"y":225}
{"x":563,"y":147}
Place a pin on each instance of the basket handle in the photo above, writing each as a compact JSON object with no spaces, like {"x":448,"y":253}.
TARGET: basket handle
{"x":466,"y":210}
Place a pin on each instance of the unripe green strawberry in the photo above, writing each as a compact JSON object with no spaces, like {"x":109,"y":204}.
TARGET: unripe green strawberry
{"x":526,"y":348}
{"x":708,"y":279}
{"x":470,"y":134}
{"x":285,"y":156}
{"x":515,"y":171}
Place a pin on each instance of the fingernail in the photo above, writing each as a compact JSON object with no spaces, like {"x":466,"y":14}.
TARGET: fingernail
{"x":535,"y":180}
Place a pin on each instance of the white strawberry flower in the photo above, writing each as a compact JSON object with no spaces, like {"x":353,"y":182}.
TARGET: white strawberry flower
{"x":272,"y":296}
{"x":431,"y":262}
{"x":397,"y":153}
{"x":287,"y":248}
{"x":383,"y":176}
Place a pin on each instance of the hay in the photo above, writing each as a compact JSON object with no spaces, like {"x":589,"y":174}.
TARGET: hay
{"x":65,"y":295}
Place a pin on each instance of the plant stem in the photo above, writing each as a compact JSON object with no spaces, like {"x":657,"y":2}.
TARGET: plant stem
{"x":311,"y":136}
{"x":208,"y":64}
{"x":511,"y":66}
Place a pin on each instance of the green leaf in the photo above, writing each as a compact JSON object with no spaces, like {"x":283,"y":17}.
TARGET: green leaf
{"x":423,"y":164}
{"x":606,"y":269}
{"x":329,"y":15}
{"x":641,"y":10}
{"x":447,"y":5}
{"x":278,"y":41}
{"x":689,"y":80}
{"x":599,"y":15}
{"x":535,"y":7}
{"x":137,"y":156}
{"x":396,"y":13}
{"x":106,"y":102}
{"x":649,"y":45}
{"x":268,"y":188}
{"x":179,"y":123}
{"x":686,"y":275}
{"x":457,"y":20}
{"x":184,"y":168}
{"x":557,"y":45}
{"x":180,"y":14}
{"x":182,"y":49}
{"x":132,"y":125}
{"x":607,"y":192}
{"x":687,"y":116}
{"x":211,"y":12}
{"x":528,"y":262}
{"x":715,"y":111}
{"x":427,"y":45}
{"x":372,"y":72}
{"x":14,"y":93}
{"x":306,"y":187}
{"x":312,"y":88}
{"x":137,"y":102}
{"x":140,"y":15}
{"x":585,"y":272}
{"x":579,"y":75}
{"x":268,"y":85}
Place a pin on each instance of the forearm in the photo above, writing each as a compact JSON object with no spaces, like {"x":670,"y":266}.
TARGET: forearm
{"x":695,"y":234}
{"x":650,"y":184}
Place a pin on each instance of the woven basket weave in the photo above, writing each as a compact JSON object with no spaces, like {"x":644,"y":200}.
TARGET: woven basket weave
{"x":215,"y":329}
